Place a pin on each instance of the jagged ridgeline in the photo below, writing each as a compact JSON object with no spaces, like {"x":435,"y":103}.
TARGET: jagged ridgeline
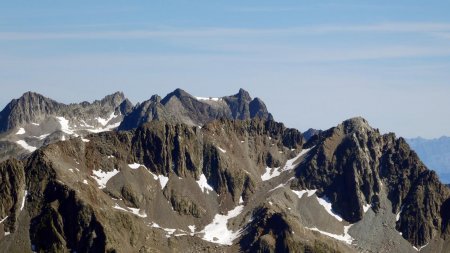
{"x":193,"y":174}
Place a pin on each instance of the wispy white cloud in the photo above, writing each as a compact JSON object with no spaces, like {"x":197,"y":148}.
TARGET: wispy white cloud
{"x":407,"y":27}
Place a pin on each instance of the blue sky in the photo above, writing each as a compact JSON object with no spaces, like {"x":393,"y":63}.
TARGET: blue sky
{"x":313,"y":63}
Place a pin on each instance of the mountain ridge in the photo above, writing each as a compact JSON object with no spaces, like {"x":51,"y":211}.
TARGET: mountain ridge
{"x":181,"y":107}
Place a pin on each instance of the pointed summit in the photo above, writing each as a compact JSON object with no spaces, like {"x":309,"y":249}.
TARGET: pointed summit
{"x":243,"y":95}
{"x":31,"y":95}
{"x":114,"y":99}
{"x":155,"y":98}
{"x":178,"y":93}
{"x":356,"y":124}
{"x":29,"y":106}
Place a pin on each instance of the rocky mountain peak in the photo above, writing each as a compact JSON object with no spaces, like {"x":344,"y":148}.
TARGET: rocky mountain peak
{"x":28,"y":107}
{"x":243,"y":95}
{"x":355,"y":124}
{"x":29,"y":96}
{"x":114,"y":99}
{"x":355,"y":168}
{"x":156,"y":99}
{"x":178,"y":93}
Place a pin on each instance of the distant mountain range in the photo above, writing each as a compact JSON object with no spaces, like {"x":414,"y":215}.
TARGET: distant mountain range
{"x":202,"y":174}
{"x":33,"y":120}
{"x":435,"y":153}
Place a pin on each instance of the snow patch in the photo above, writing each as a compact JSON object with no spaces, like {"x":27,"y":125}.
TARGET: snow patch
{"x":85,"y":140}
{"x":163,"y":181}
{"x":192,"y":228}
{"x":208,"y":99}
{"x":151,"y":173}
{"x":116,"y":206}
{"x":344,"y":237}
{"x":64,"y":123}
{"x":270,"y":173}
{"x":154,"y":225}
{"x":419,"y":249}
{"x":7,"y":233}
{"x":169,"y":231}
{"x":397,"y":217}
{"x":290,"y":163}
{"x":3,"y":220}
{"x":41,"y":137}
{"x":23,"y":200}
{"x":366,"y":207}
{"x":21,"y":131}
{"x":279,"y":186}
{"x":222,"y":150}
{"x":218,"y":232}
{"x":303,"y":192}
{"x":274,"y":172}
{"x":105,"y":122}
{"x":138,"y":212}
{"x":36,"y":124}
{"x":203,"y":184}
{"x":104,"y":129}
{"x":85,"y":181}
{"x":102,"y":177}
{"x":134,"y":166}
{"x":241,"y":201}
{"x":25,"y":145}
{"x":327,"y":205}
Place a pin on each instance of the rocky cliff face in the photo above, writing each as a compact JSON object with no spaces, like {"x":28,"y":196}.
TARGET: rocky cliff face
{"x":12,"y":194}
{"x":181,"y":107}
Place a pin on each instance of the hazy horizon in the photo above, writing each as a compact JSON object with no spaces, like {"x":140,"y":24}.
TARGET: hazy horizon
{"x":314,"y":64}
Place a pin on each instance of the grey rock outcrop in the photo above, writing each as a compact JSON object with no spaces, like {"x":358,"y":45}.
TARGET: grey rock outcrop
{"x":12,"y":194}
